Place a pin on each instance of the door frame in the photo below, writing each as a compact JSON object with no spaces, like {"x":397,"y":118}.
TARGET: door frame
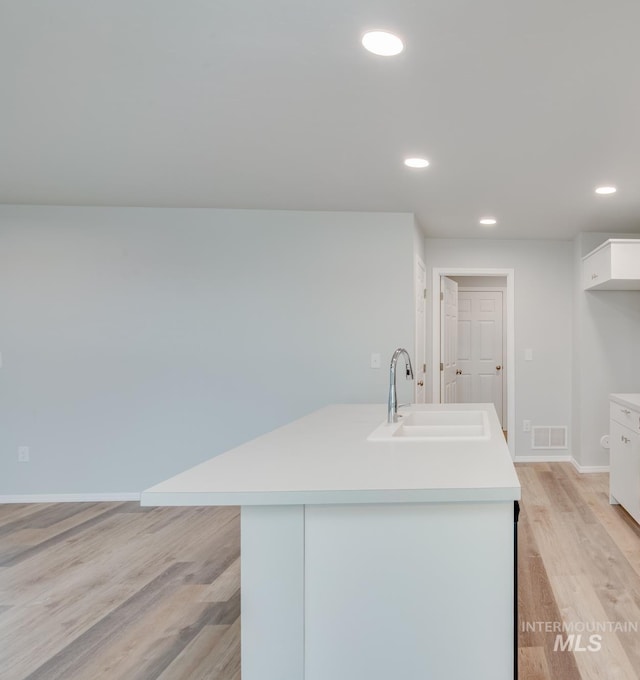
{"x":420,"y":296}
{"x":438,"y":272}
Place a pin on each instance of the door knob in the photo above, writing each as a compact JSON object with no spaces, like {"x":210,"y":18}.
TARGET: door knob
{"x":498,"y":368}
{"x":458,"y":371}
{"x":420,"y":383}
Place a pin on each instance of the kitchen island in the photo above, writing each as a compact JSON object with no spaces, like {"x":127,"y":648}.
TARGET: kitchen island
{"x":368,"y":559}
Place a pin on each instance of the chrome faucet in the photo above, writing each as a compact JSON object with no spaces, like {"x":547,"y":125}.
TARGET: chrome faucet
{"x":392,"y":412}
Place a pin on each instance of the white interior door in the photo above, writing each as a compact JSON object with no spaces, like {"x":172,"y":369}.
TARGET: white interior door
{"x":420,"y":352}
{"x":448,"y":339}
{"x":480,"y":363}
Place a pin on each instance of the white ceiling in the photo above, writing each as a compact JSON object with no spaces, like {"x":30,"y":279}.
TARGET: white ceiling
{"x":523,"y":108}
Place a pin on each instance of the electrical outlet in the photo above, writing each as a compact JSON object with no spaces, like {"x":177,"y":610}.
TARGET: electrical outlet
{"x":23,"y":454}
{"x":526,"y":426}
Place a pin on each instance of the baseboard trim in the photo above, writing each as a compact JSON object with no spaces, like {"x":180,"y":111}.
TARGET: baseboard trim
{"x":564,"y":458}
{"x":587,"y":469}
{"x":582,"y":469}
{"x":69,"y":498}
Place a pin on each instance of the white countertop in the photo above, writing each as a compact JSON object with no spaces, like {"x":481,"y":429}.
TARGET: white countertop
{"x":629,"y":400}
{"x":325,"y":458}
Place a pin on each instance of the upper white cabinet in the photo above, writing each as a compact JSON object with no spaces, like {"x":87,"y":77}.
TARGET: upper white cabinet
{"x":614,"y":265}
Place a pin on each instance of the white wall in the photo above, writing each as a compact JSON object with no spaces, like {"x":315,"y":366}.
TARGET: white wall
{"x":543,"y":286}
{"x":138,"y":342}
{"x":606,"y":357}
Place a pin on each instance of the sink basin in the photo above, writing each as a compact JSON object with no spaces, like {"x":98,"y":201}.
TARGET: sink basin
{"x":435,"y":426}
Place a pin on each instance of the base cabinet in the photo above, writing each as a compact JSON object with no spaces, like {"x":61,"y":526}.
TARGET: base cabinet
{"x":624,"y":463}
{"x":378,"y":591}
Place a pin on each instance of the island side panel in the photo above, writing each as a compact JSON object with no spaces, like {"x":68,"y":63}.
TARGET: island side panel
{"x":272,"y":592}
{"x":409,"y":591}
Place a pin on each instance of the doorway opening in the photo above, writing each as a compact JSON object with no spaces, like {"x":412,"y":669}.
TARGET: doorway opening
{"x":473,"y":340}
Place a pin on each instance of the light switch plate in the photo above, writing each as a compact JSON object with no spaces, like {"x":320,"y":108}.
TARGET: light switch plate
{"x":375,"y":360}
{"x":528,"y":355}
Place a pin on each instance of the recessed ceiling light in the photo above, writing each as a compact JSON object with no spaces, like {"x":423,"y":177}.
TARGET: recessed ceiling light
{"x":488,"y":221}
{"x":382,"y":43}
{"x":416,"y":162}
{"x":606,"y":190}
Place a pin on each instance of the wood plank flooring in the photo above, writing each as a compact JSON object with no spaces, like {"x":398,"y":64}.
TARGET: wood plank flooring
{"x":579,"y":565}
{"x":111,"y":590}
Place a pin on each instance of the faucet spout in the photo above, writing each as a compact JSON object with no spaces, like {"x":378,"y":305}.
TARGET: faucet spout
{"x":392,"y":411}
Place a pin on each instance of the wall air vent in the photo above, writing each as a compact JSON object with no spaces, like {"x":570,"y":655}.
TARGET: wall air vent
{"x":549,"y":437}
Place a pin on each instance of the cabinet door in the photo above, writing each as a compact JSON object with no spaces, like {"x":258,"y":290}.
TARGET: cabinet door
{"x":625,"y":261}
{"x":412,"y":591}
{"x":596,"y":268}
{"x":624,"y":469}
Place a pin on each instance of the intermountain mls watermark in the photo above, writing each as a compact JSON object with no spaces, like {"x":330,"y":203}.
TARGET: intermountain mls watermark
{"x":579,"y":636}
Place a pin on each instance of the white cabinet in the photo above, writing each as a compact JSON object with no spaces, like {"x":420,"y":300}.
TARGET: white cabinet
{"x":409,"y":590}
{"x":614,"y":265}
{"x":624,"y":463}
{"x":376,"y":591}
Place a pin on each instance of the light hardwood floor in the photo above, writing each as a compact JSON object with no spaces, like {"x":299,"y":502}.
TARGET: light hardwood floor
{"x":579,"y":563}
{"x":93,"y":591}
{"x":111,"y":590}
